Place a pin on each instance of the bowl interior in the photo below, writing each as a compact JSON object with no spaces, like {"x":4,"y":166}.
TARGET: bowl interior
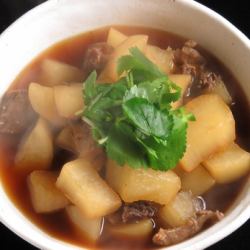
{"x":59,"y":19}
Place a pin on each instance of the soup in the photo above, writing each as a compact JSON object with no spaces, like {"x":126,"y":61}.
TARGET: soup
{"x":51,"y":124}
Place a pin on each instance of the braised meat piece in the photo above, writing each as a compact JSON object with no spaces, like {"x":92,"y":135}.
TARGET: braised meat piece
{"x":97,"y":56}
{"x":15,"y":112}
{"x":189,"y":69}
{"x":139,"y":210}
{"x":83,"y":139}
{"x":166,"y":237}
{"x":132,"y":212}
{"x":115,"y":218}
{"x":85,"y":146}
{"x":208,"y":80}
{"x":188,"y":60}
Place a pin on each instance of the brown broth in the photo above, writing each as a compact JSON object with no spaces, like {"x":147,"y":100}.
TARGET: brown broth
{"x":72,"y":51}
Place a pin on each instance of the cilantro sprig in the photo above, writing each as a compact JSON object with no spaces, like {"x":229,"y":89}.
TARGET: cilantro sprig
{"x":133,"y":118}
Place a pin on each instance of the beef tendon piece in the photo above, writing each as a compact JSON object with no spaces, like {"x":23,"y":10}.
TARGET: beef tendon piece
{"x":139,"y":210}
{"x":97,"y":56}
{"x":166,"y":237}
{"x":15,"y":112}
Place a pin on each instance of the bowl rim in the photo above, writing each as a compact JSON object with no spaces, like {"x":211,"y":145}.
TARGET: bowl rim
{"x":242,"y":214}
{"x":196,"y":5}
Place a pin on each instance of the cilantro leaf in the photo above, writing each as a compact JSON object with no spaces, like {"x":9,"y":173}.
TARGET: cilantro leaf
{"x":122,"y":148}
{"x":133,"y":118}
{"x":171,"y":151}
{"x":89,"y":90}
{"x":146,"y":117}
{"x":165,"y":154}
{"x":138,"y":62}
{"x":160,"y":91}
{"x":172,"y":94}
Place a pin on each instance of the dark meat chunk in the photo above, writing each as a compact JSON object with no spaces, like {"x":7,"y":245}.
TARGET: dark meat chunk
{"x":188,"y":60}
{"x":166,"y":237}
{"x":208,"y":217}
{"x":132,"y":212}
{"x":97,"y":56}
{"x":188,"y":57}
{"x":85,"y":146}
{"x":208,"y":80}
{"x":115,"y":218}
{"x":82,"y":137}
{"x":191,"y":56}
{"x":139,"y":210}
{"x":189,"y":69}
{"x":15,"y":112}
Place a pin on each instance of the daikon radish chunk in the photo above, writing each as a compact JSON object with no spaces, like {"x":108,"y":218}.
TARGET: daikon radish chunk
{"x":228,"y":165}
{"x":55,"y":72}
{"x":198,"y":181}
{"x":141,"y":229}
{"x":115,"y":37}
{"x":109,"y":73}
{"x":213,"y":130}
{"x":142,"y":184}
{"x":178,"y":211}
{"x":43,"y":102}
{"x":220,"y":89}
{"x":68,"y":99}
{"x":36,"y":149}
{"x":45,"y":197}
{"x":162,"y":58}
{"x":83,"y":186}
{"x":183,"y":81}
{"x":85,"y":227}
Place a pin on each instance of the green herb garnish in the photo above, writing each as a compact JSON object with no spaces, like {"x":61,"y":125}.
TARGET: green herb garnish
{"x":133,"y":118}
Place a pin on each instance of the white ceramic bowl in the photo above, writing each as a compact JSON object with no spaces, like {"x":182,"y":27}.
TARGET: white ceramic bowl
{"x":59,"y":19}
